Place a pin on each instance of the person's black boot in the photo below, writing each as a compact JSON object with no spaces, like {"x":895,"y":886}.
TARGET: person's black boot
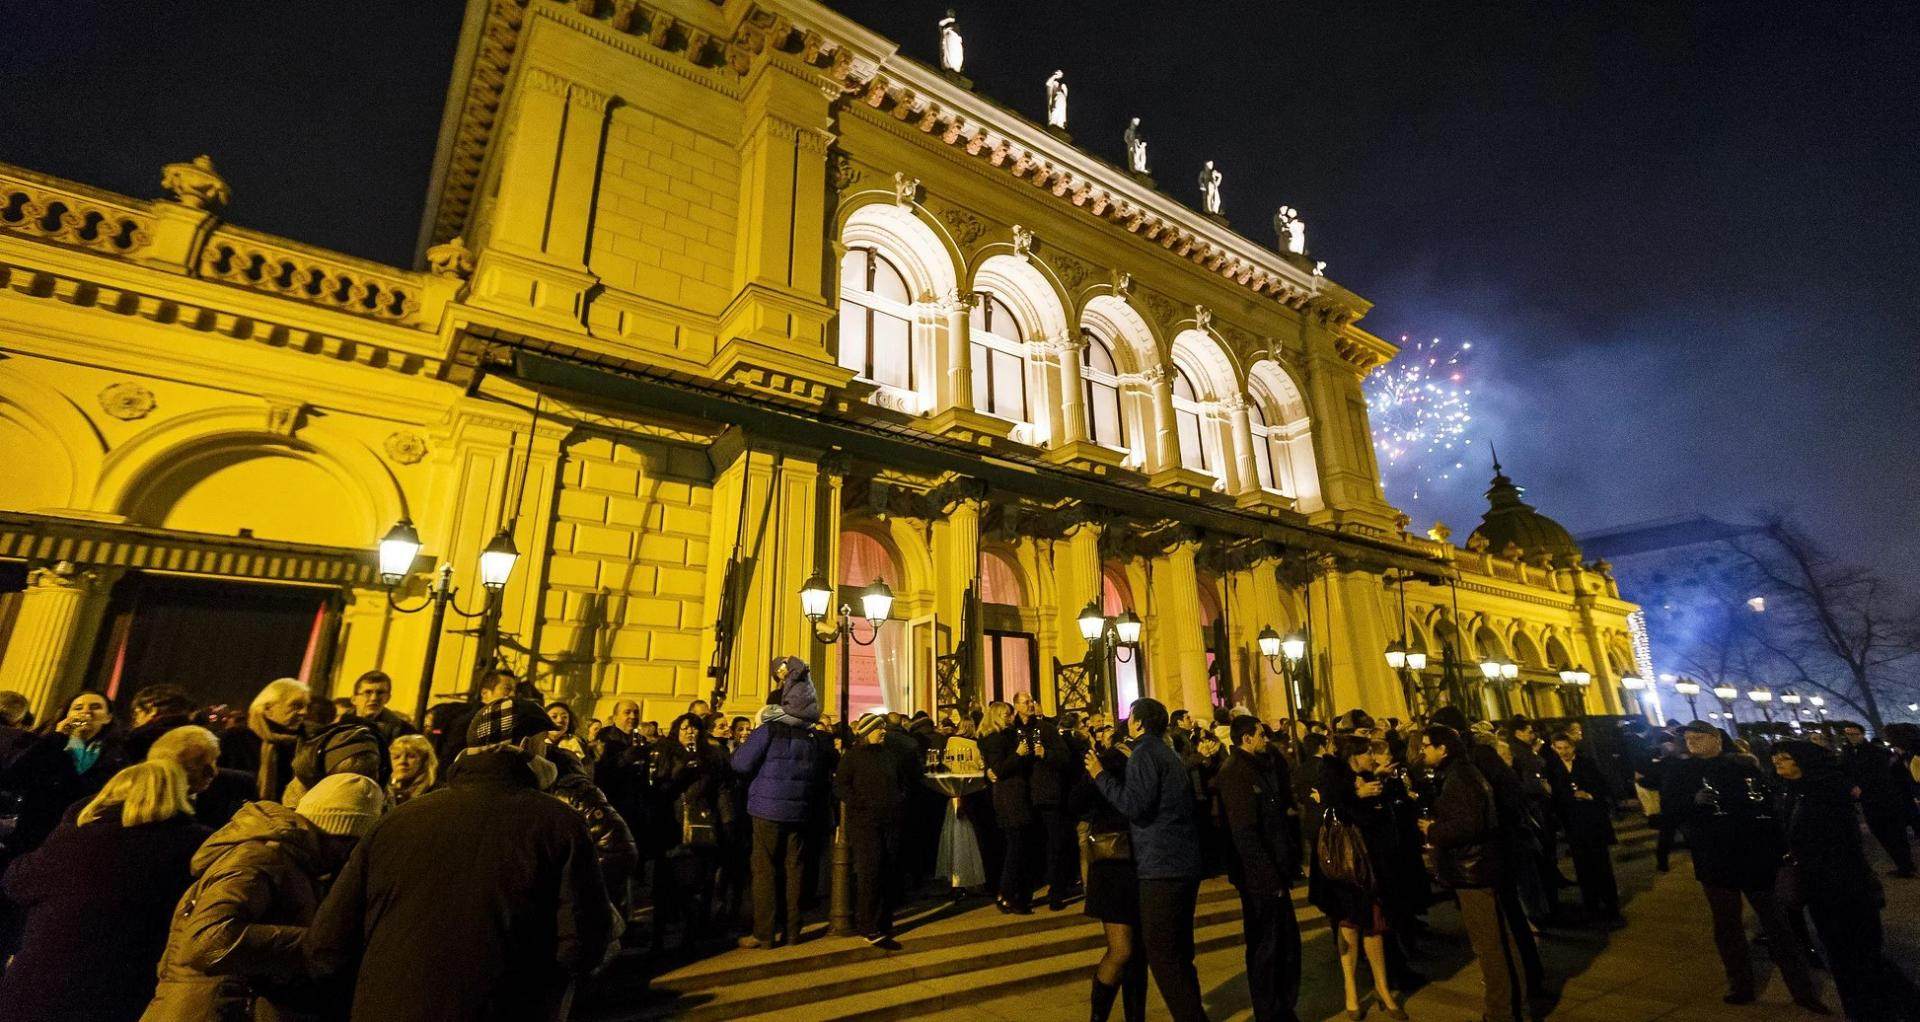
{"x":1103,"y":996}
{"x":1133,"y":990}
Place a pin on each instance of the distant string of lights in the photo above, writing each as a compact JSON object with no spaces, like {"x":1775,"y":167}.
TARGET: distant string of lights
{"x":1421,"y":406}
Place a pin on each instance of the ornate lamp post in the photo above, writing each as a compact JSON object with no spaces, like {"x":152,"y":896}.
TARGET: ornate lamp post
{"x":1114,"y":639}
{"x":1727,"y":694}
{"x":876,"y":603}
{"x":1764,"y":699}
{"x":398,"y":549}
{"x":1633,"y":685}
{"x":1576,"y":679}
{"x":1287,"y":652}
{"x":1689,"y":689}
{"x":1500,"y":673}
{"x":1819,"y":704}
{"x":1792,"y":699}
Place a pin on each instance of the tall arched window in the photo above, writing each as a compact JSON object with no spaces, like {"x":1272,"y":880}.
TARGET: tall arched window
{"x":876,"y":319}
{"x":999,"y":361}
{"x":1270,"y":455}
{"x":1100,"y":376}
{"x":1199,"y":447}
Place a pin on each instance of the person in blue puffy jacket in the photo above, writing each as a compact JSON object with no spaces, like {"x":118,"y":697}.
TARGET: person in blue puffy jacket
{"x":784,"y":763}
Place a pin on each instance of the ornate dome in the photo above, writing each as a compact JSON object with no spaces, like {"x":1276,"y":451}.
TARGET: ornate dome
{"x":1512,"y":520}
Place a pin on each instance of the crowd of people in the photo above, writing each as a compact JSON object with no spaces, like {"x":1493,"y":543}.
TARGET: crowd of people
{"x":314,"y":859}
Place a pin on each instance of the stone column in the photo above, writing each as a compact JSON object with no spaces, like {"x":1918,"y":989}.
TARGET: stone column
{"x":958,"y":392}
{"x":1073,"y":413}
{"x":1181,"y":659}
{"x":1078,"y":581}
{"x":1240,"y":431}
{"x":60,"y":614}
{"x":1164,"y":452}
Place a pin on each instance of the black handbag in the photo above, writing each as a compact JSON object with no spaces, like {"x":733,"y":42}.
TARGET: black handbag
{"x":1110,"y":845}
{"x":698,"y":829}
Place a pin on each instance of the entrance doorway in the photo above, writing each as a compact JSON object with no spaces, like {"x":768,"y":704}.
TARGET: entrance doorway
{"x":1013,"y":661}
{"x":218,"y":639}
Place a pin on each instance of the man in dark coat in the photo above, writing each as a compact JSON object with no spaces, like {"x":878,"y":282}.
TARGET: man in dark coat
{"x":1156,"y":797}
{"x":482,"y":900}
{"x":785,"y":768}
{"x":1470,"y":856}
{"x":1048,"y":783}
{"x":370,"y":694}
{"x":1719,"y":803}
{"x":447,"y":723}
{"x":869,"y":786}
{"x":1886,"y":794}
{"x":1256,"y":794}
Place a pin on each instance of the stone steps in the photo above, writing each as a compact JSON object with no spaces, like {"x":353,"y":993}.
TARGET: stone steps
{"x":952,"y":954}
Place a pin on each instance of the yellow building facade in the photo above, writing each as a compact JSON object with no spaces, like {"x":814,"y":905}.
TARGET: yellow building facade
{"x":713,"y":297}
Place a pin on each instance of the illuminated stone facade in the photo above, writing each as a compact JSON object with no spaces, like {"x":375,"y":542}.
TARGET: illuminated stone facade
{"x":716,"y":296}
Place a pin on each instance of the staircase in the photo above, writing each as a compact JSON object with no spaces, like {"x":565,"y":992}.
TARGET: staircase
{"x":952,"y":954}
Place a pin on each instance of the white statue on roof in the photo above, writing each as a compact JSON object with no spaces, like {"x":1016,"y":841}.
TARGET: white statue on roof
{"x":953,"y":52}
{"x":1136,"y":147}
{"x":1210,"y":189}
{"x":1291,"y":229}
{"x":1057,"y":100}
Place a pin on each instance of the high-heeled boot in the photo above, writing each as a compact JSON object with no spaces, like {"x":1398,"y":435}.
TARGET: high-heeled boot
{"x":1133,"y":991}
{"x":1103,"y":996}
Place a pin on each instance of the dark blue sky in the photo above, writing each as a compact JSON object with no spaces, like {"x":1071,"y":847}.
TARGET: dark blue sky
{"x":1683,"y":238}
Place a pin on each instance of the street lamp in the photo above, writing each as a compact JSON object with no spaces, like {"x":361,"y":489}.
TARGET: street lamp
{"x":1792,"y":699}
{"x":876,"y":603}
{"x":1690,"y":689}
{"x":1288,"y":651}
{"x":1408,"y":662}
{"x":1727,"y":694}
{"x":1819,"y":705}
{"x":398,"y":550}
{"x":1114,"y":639}
{"x":1764,"y":699}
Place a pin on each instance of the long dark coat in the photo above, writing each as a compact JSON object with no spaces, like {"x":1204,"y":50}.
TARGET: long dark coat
{"x":97,"y":899}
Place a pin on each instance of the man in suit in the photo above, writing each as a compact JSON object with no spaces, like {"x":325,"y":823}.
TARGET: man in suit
{"x":1257,"y":795}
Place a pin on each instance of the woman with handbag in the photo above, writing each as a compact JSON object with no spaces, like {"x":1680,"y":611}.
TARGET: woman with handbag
{"x":1345,"y":880}
{"x":688,"y":775}
{"x":1113,"y":891}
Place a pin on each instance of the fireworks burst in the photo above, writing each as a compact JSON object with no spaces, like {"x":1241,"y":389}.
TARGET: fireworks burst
{"x":1421,"y":408}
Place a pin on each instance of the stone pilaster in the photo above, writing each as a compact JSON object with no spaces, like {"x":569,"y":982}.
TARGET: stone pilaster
{"x":1073,"y":416}
{"x":60,"y":615}
{"x":1164,"y":451}
{"x":1180,"y":677}
{"x":1240,"y":432}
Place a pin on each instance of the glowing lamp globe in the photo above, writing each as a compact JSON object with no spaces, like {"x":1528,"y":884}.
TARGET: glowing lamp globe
{"x":1269,"y":642}
{"x":1417,"y":660}
{"x":397,"y":550}
{"x":1128,"y":627}
{"x":1294,"y":646}
{"x":1092,"y":622}
{"x":877,"y":602}
{"x":497,"y":561}
{"x":814,"y":597}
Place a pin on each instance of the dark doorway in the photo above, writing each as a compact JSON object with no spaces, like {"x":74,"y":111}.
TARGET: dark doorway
{"x":1013,"y":661}
{"x":218,"y":639}
{"x":13,"y":584}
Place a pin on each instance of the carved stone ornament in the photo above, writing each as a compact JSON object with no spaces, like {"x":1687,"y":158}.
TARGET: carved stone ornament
{"x":965,"y":226}
{"x":1022,"y":242}
{"x":1071,"y":270}
{"x":195,"y":184}
{"x":1478,"y":543}
{"x":905,"y":189}
{"x":1161,"y":308}
{"x":406,"y":447}
{"x":126,"y":401}
{"x":1402,"y":522}
{"x":451,"y":259}
{"x":284,"y":418}
{"x":1122,"y":283}
{"x":1439,"y":533}
{"x":1202,"y":317}
{"x":845,"y":174}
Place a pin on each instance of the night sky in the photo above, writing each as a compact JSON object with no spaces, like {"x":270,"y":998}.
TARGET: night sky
{"x":1682,"y":238}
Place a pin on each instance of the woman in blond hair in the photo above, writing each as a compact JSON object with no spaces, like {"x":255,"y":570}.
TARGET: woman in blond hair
{"x":98,"y":896}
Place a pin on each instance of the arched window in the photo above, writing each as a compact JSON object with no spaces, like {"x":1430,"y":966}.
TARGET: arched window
{"x":999,"y":361}
{"x":1199,"y":448}
{"x":1116,"y":597}
{"x":1100,"y":375}
{"x":999,"y":580}
{"x":876,"y":320}
{"x":877,"y":674}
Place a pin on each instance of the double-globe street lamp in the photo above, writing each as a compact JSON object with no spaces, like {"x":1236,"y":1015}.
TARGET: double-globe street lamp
{"x":1728,"y":694}
{"x":399,"y":548}
{"x":1285,"y":653}
{"x":1114,"y":640}
{"x":1763,"y":698}
{"x":1409,"y":662}
{"x":1501,"y":673}
{"x":1690,"y":690}
{"x":876,"y":605}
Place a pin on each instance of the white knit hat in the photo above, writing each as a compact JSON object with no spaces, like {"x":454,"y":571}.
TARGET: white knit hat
{"x":345,"y":805}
